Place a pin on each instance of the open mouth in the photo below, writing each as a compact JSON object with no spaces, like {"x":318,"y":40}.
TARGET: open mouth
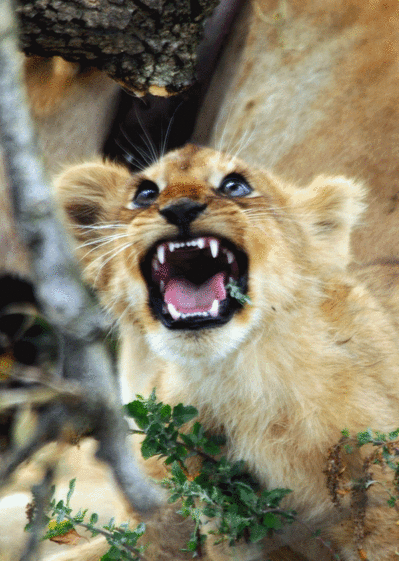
{"x":188,"y":281}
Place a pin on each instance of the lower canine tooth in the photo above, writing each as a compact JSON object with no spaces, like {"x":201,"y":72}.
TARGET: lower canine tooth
{"x":173,"y":312}
{"x":214,"y":308}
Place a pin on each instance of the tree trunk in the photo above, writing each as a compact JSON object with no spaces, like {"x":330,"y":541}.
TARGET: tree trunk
{"x":145,"y":45}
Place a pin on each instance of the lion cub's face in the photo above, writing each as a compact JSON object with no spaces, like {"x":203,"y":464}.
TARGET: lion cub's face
{"x":165,"y":246}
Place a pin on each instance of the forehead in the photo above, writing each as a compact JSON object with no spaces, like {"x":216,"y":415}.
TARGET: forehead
{"x":201,"y":164}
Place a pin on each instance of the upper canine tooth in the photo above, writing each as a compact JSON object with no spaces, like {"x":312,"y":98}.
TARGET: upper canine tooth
{"x":214,"y":245}
{"x":201,"y":243}
{"x":161,"y":254}
{"x":230,"y":257}
{"x":171,"y":246}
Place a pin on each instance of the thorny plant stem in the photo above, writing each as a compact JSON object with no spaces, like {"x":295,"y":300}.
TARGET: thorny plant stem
{"x":107,"y":534}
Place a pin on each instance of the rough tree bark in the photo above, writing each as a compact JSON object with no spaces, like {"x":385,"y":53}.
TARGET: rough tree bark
{"x":146,"y":45}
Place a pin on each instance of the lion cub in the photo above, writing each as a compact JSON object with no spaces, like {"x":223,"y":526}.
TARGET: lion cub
{"x":309,"y":352}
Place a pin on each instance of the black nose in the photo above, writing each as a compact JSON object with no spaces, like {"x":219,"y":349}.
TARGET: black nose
{"x":182,"y":213}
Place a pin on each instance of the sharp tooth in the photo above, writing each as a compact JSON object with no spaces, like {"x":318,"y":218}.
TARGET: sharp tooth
{"x":155,"y":264}
{"x":161,"y":254}
{"x":230,"y":257}
{"x":162,"y":286}
{"x":214,"y":245}
{"x":171,"y":246}
{"x":173,"y":312}
{"x":200,"y":243}
{"x":214,"y":308}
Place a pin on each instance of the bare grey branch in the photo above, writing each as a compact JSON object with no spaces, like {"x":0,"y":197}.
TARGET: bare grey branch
{"x":62,"y":297}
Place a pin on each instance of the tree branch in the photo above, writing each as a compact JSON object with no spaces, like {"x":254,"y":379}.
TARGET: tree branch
{"x":146,"y":45}
{"x":62,"y":297}
{"x":42,"y":493}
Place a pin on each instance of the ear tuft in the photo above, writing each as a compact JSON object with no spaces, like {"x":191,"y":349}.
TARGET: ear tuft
{"x":329,"y":208}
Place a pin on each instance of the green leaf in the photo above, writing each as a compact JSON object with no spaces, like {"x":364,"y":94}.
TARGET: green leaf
{"x":165,"y":413}
{"x":114,"y":554}
{"x":257,"y":532}
{"x":191,"y":545}
{"x":93,"y":518}
{"x":139,"y":531}
{"x":364,"y":437}
{"x":79,"y":517}
{"x":71,"y":490}
{"x":188,"y":440}
{"x":173,"y":498}
{"x":393,"y":435}
{"x":138,"y":411}
{"x":60,"y":505}
{"x":392,"y":501}
{"x":247,"y":495}
{"x":183,"y":414}
{"x":149,"y":448}
{"x":211,"y":448}
{"x":178,"y":473}
{"x":56,"y":528}
{"x":272,"y":521}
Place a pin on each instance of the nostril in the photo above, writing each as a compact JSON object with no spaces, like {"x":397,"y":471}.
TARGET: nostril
{"x":183,"y":212}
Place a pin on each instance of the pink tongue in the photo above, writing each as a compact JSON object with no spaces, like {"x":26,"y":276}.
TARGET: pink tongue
{"x":189,"y":298}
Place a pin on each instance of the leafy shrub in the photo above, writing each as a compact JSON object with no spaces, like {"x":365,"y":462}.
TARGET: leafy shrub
{"x":218,"y":489}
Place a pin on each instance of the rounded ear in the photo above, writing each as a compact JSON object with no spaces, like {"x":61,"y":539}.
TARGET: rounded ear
{"x":329,"y":208}
{"x":89,"y":192}
{"x":90,"y":196}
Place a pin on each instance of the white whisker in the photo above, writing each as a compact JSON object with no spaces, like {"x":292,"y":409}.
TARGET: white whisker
{"x":99,"y":226}
{"x":109,"y":259}
{"x":103,"y":241}
{"x":150,"y":144}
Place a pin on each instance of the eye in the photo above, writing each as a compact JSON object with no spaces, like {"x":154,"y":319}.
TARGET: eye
{"x":146,"y":193}
{"x":234,"y":185}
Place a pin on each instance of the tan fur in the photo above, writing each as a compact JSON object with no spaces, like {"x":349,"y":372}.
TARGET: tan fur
{"x":71,"y":108}
{"x":311,"y":87}
{"x":314,"y":353}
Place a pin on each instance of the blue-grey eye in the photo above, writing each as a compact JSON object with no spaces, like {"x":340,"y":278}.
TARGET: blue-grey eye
{"x":234,"y":185}
{"x":146,"y":193}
